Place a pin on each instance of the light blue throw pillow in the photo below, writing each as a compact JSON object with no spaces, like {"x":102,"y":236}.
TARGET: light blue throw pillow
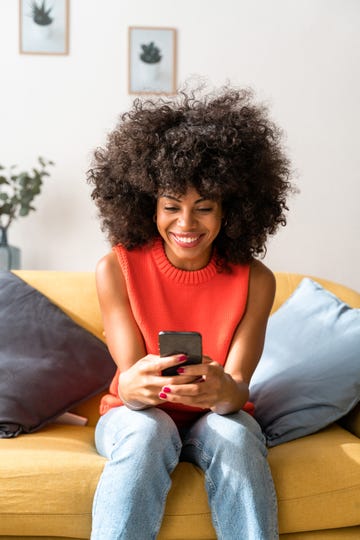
{"x":309,"y":372}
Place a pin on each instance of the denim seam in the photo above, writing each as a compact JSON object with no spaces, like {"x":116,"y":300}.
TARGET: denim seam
{"x":166,"y":489}
{"x":95,"y":501}
{"x":161,"y":517}
{"x":211,"y":490}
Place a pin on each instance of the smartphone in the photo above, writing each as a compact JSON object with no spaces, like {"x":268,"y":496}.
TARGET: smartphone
{"x":189,"y":343}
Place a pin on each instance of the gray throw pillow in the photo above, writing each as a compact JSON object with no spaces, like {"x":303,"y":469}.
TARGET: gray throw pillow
{"x":48,"y":363}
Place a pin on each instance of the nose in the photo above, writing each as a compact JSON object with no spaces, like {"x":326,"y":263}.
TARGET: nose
{"x":186,"y":219}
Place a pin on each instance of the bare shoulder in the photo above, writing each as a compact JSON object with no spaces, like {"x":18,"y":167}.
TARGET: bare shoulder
{"x":262,"y":284}
{"x":109,"y":276}
{"x":107,"y":264}
{"x":261,"y":273}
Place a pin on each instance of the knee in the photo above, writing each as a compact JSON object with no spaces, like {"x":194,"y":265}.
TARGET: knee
{"x":150,"y":425}
{"x":238,"y":431}
{"x":146,"y":431}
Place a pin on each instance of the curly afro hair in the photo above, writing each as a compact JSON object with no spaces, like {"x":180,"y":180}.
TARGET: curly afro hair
{"x":223,"y":144}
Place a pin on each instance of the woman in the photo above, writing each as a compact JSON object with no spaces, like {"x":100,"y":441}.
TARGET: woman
{"x":188,"y":191}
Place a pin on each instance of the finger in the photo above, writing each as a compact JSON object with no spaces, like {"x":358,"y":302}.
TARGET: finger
{"x":192,"y":397}
{"x":158,"y":363}
{"x":176,"y":380}
{"x":194,"y":370}
{"x":177,"y":392}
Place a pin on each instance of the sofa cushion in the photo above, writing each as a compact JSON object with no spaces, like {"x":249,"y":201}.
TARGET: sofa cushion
{"x":49,"y":480}
{"x":317,"y":480}
{"x":48,"y":363}
{"x":309,"y":373}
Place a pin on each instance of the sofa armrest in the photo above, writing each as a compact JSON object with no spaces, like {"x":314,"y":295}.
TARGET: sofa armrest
{"x":351,"y":421}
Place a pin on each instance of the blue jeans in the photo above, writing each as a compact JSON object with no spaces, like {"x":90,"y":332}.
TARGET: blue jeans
{"x":144,"y":447}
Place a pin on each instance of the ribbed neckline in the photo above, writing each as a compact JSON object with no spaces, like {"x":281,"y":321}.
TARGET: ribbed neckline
{"x":185,"y":277}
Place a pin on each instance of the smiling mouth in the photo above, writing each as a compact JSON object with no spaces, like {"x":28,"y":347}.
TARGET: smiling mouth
{"x":188,"y":240}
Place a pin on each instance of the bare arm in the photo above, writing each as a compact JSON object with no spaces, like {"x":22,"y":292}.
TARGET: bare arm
{"x":122,"y":333}
{"x":248,"y":342}
{"x":140,"y":381}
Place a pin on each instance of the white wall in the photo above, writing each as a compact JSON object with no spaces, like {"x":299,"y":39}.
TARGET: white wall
{"x":301,"y":56}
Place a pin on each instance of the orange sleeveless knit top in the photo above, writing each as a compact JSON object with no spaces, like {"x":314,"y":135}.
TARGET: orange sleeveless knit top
{"x":163,"y":297}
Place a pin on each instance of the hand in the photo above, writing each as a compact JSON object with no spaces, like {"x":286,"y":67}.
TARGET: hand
{"x":140,"y":385}
{"x":211,"y":388}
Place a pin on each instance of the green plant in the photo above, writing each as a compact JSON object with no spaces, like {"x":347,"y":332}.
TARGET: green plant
{"x":151,"y":53}
{"x":41,"y":14}
{"x":17,"y":191}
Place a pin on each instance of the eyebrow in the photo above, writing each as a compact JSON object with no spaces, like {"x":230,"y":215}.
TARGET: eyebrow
{"x":179,"y":200}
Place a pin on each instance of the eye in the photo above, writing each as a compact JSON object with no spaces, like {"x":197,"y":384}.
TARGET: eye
{"x":170,"y":208}
{"x":205,"y":210}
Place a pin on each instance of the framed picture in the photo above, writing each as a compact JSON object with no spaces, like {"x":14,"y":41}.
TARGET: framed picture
{"x":152,"y":60}
{"x":44,"y":26}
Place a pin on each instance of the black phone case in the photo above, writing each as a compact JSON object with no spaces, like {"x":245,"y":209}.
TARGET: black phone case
{"x":189,"y":343}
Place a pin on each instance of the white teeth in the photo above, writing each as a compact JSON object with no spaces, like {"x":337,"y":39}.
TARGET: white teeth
{"x":187,"y":240}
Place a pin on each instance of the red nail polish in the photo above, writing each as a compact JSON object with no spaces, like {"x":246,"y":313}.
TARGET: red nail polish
{"x":166,"y":389}
{"x":182,"y":358}
{"x":180,"y":370}
{"x":162,"y":395}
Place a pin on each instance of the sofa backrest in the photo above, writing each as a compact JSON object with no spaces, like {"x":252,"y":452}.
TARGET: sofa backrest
{"x":287,"y":282}
{"x":75,"y":293}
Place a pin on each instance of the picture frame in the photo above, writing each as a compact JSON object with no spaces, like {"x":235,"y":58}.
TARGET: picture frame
{"x":152,"y":60}
{"x":44,"y":27}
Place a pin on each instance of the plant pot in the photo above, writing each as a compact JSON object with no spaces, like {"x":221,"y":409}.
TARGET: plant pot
{"x":9,"y":255}
{"x":149,"y":73}
{"x":43,"y":32}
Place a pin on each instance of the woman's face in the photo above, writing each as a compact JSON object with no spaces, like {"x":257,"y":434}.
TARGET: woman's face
{"x":188,"y":225}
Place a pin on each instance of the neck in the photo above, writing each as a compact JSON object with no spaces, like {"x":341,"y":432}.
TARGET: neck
{"x":190,"y":265}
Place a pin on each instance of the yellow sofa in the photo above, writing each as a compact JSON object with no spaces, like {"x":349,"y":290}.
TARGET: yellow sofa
{"x":48,"y":478}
